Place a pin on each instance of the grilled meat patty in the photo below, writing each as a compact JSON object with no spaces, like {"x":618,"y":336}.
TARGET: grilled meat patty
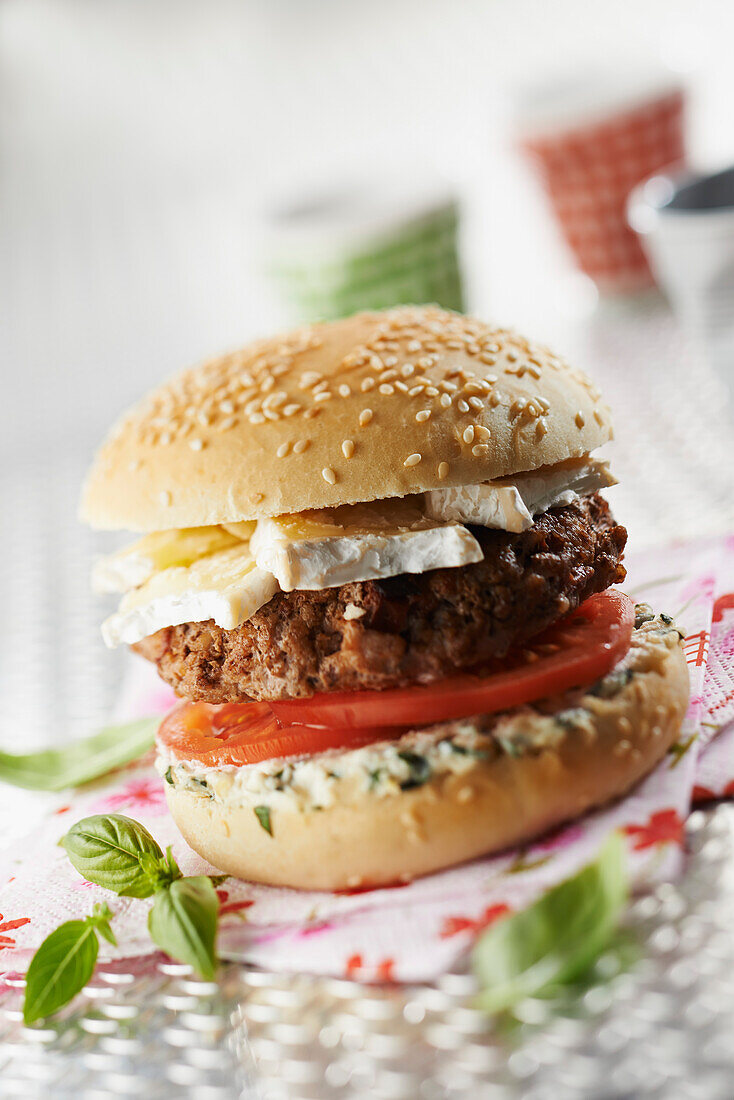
{"x":408,"y":629}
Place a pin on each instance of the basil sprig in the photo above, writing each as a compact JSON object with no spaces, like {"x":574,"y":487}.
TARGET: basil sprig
{"x":555,"y":940}
{"x":183,"y":922}
{"x":82,"y":761}
{"x":64,"y":963}
{"x":119,"y":854}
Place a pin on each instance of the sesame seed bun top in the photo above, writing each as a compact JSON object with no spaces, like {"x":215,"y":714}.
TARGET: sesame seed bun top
{"x":377,"y":405}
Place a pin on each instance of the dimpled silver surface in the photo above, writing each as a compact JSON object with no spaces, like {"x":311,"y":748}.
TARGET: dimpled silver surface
{"x":661,"y":1028}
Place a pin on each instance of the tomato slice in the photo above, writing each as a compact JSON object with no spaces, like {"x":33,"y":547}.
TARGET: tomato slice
{"x":576,"y":651}
{"x":248,"y":733}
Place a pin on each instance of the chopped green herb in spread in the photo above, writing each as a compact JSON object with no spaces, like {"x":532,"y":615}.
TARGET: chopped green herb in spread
{"x":168,"y":777}
{"x":420,"y":770}
{"x":643,"y":614}
{"x":262,"y":813}
{"x":573,"y":718}
{"x":612,"y":684}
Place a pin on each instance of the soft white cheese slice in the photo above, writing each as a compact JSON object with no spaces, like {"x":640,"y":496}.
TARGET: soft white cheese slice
{"x":227,"y":587}
{"x":359,"y":542}
{"x":510,"y":503}
{"x":134,"y":565}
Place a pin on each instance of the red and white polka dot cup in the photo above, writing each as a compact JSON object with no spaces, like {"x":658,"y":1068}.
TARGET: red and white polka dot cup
{"x":593,"y":140}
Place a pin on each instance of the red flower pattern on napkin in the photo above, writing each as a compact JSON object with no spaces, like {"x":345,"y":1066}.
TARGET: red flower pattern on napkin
{"x":10,"y":926}
{"x":452,"y":926}
{"x":663,"y":827}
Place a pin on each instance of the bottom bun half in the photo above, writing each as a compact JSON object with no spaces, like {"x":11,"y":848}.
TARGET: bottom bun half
{"x":544,"y":766}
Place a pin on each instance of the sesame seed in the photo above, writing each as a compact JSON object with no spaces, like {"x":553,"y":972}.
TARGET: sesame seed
{"x":387,"y":389}
{"x":400,"y":386}
{"x":321,"y":386}
{"x":425,"y":362}
{"x":431,"y":391}
{"x":463,"y":407}
{"x":480,"y":449}
{"x":227,"y":423}
{"x":283,"y":450}
{"x":476,"y":402}
{"x":226,"y":406}
{"x":364,"y":417}
{"x":407,"y":370}
{"x":448,"y":387}
{"x":165,"y":438}
{"x":204,"y":419}
{"x":348,"y":448}
{"x":446,"y":400}
{"x":423,"y":415}
{"x":512,"y":357}
{"x":541,"y":428}
{"x":271,"y":414}
{"x":491,"y":379}
{"x":275,"y":400}
{"x":291,"y":410}
{"x":412,"y":460}
{"x":443,"y":471}
{"x":300,"y":446}
{"x":165,"y":498}
{"x":391,"y":361}
{"x":311,"y":413}
{"x":416,"y":390}
{"x":388,"y":375}
{"x":367,"y":384}
{"x":328,"y":475}
{"x":598,"y":417}
{"x":468,"y":435}
{"x":196,"y":444}
{"x":345,"y":390}
{"x":309,"y":378}
{"x":495,"y":399}
{"x":267,"y":383}
{"x":256,"y":418}
{"x":325,"y":395}
{"x":413,"y":345}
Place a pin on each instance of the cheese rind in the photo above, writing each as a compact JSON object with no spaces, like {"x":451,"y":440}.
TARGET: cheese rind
{"x":510,"y":503}
{"x":227,"y":587}
{"x":134,"y":565}
{"x":326,"y":549}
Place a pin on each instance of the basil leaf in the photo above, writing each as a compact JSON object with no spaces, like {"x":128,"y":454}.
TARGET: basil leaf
{"x":64,"y":963}
{"x":183,"y":923}
{"x":119,"y":854}
{"x":557,"y":938}
{"x":78,"y":763}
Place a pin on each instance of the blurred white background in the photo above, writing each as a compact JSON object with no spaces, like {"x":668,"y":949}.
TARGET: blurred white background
{"x":140,"y":141}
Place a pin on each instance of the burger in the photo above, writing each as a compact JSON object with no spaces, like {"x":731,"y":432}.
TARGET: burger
{"x":376,"y":567}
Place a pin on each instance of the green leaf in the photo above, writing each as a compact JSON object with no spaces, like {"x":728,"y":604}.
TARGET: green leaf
{"x":63,"y":964}
{"x":183,"y":923}
{"x":73,"y":765}
{"x":262,"y":813}
{"x":558,"y":938}
{"x":100,"y":919}
{"x":119,"y":854}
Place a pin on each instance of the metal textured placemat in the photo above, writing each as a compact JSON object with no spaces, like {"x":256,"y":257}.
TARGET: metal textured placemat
{"x":661,"y":1028}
